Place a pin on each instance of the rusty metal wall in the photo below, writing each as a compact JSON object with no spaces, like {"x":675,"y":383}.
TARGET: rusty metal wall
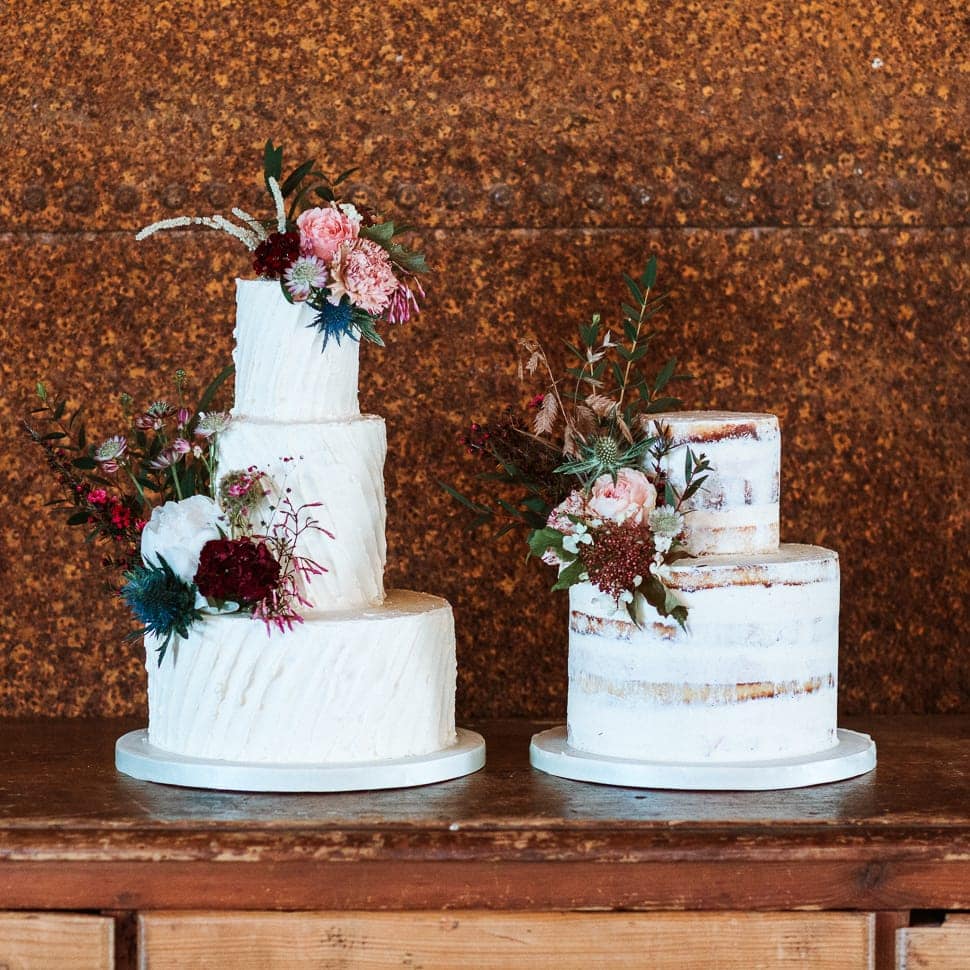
{"x":801,"y":168}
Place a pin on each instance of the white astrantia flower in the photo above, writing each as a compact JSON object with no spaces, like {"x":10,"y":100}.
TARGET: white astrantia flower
{"x":350,"y":211}
{"x":177,"y":531}
{"x":662,"y":544}
{"x":572,"y":542}
{"x":213,"y":422}
{"x":665,"y":520}
{"x":303,"y":275}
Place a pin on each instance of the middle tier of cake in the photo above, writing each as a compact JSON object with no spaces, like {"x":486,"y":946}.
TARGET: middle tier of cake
{"x":340,"y":465}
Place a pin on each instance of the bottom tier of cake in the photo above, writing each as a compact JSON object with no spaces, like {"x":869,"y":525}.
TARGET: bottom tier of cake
{"x":753,"y":677}
{"x":358,"y":686}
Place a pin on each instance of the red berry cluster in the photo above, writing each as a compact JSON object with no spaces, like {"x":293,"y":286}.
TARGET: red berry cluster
{"x":276,"y":253}
{"x":619,"y":553}
{"x":476,"y":438}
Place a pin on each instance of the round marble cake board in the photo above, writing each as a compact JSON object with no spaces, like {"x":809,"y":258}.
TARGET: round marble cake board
{"x":855,"y":754}
{"x":134,"y":756}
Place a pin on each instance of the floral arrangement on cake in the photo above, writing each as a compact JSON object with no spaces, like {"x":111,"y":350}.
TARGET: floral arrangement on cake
{"x":341,"y":259}
{"x":180,"y":546}
{"x":583,"y":466}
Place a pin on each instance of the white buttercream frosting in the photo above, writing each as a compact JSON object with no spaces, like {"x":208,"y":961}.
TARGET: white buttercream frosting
{"x":754,"y":676}
{"x":362,"y":685}
{"x":736,"y":509}
{"x":339,"y":464}
{"x":282,"y":370}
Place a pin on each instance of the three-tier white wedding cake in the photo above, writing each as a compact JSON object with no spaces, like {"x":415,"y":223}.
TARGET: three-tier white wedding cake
{"x":367,"y":675}
{"x":754,"y":675}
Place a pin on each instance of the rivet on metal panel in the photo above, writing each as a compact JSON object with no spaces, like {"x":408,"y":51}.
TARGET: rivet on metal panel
{"x":643,"y":195}
{"x":547,"y":194}
{"x":217,"y":194}
{"x":407,"y":195}
{"x":34,"y":198}
{"x":866,"y":195}
{"x":731,"y":195}
{"x":776,"y":194}
{"x":910,"y":195}
{"x":960,"y":195}
{"x":125,"y":198}
{"x":595,"y":196}
{"x":79,"y":197}
{"x":685,"y":196}
{"x":500,"y":196}
{"x":454,"y":195}
{"x":824,"y":195}
{"x":173,"y":196}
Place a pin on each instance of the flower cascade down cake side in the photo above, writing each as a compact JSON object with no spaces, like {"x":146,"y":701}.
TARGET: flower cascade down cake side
{"x":250,"y":543}
{"x":753,"y":674}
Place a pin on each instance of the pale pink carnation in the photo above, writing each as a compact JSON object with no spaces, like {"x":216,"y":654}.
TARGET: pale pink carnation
{"x":574,"y":504}
{"x":362,"y":272}
{"x":323,"y":229}
{"x":630,"y":498}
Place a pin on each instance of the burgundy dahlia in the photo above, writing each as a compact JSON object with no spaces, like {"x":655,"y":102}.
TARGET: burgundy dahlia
{"x":276,"y":253}
{"x":237,"y":569}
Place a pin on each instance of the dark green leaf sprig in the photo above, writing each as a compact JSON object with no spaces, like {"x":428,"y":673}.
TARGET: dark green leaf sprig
{"x":113,"y":506}
{"x":593,"y":421}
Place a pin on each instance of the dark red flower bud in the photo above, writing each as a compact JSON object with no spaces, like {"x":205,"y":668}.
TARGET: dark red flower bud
{"x":276,"y":253}
{"x":237,"y":569}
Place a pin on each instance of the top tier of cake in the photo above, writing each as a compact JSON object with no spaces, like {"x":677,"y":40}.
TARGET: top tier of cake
{"x":281,"y":372}
{"x":735,"y":512}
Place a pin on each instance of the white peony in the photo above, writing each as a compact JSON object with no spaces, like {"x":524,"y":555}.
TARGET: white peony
{"x":177,"y":531}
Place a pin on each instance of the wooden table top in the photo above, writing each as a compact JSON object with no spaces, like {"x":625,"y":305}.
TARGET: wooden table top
{"x":72,"y":827}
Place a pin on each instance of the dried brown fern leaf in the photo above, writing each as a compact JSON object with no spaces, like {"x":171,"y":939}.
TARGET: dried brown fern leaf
{"x":545,"y":419}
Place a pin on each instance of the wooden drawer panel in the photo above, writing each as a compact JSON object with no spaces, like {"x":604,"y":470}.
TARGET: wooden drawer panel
{"x":503,"y":941}
{"x":945,"y":947}
{"x":43,"y":941}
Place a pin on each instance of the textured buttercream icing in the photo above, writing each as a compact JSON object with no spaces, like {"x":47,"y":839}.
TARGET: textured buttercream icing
{"x":340,"y":465}
{"x":282,"y":371}
{"x":362,"y":678}
{"x":736,"y":509}
{"x":754,"y":676}
{"x":363,"y":685}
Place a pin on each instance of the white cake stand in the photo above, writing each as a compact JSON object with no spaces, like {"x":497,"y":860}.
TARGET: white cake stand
{"x":855,"y":754}
{"x":134,"y":756}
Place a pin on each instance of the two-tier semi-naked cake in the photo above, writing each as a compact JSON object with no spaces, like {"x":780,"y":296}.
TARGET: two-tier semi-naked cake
{"x":753,"y":676}
{"x":367,"y":676}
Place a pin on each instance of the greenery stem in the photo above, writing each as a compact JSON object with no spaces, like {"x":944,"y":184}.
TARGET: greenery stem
{"x":137,"y":484}
{"x":636,"y":340}
{"x":176,"y":482}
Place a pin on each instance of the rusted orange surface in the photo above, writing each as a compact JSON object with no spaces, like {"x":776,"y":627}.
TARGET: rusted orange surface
{"x":801,"y":169}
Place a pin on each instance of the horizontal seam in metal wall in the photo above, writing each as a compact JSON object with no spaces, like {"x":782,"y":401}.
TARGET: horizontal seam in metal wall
{"x":604,"y":230}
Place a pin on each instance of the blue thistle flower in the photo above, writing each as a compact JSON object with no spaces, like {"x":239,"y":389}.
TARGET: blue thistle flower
{"x":161,"y":601}
{"x":335,"y":321}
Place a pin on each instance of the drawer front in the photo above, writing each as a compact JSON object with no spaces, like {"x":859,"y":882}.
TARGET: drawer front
{"x":43,"y":941}
{"x":945,"y":947}
{"x":502,"y":941}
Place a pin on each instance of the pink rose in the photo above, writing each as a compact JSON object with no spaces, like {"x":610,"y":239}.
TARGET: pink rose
{"x":322,"y":230}
{"x":362,"y":272}
{"x":631,"y":497}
